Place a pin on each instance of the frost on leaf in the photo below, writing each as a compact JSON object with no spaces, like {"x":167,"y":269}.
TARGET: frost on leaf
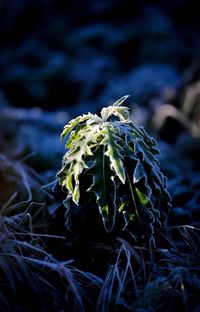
{"x":104,"y":187}
{"x":120,"y":160}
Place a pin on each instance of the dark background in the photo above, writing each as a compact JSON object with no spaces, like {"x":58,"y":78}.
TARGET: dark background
{"x":84,"y":54}
{"x":60,"y":59}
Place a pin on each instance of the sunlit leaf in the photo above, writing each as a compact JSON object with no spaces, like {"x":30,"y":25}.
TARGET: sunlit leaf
{"x":120,"y":158}
{"x":104,"y":188}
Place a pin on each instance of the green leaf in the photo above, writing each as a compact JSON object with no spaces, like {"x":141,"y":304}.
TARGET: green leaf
{"x":73,"y":123}
{"x":121,"y":207}
{"x":121,"y":100}
{"x":120,"y":157}
{"x":104,"y":188}
{"x":74,"y":160}
{"x":142,"y":197}
{"x":76,"y":193}
{"x":122,"y":112}
{"x":115,"y":152}
{"x":139,"y":172}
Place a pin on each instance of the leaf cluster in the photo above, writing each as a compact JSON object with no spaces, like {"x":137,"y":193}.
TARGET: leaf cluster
{"x":120,"y":159}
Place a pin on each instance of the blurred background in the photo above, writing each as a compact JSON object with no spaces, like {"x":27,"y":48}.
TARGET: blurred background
{"x":59,"y":59}
{"x":81,"y":55}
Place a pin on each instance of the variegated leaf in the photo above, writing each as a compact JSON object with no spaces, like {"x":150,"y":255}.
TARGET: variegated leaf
{"x":115,"y":152}
{"x":104,"y":188}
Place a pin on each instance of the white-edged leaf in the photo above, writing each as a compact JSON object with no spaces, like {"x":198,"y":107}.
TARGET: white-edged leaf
{"x":121,"y":100}
{"x":121,"y":158}
{"x":73,"y":123}
{"x":74,"y":160}
{"x":139,"y":172}
{"x":122,"y":112}
{"x":115,"y":152}
{"x":104,"y":188}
